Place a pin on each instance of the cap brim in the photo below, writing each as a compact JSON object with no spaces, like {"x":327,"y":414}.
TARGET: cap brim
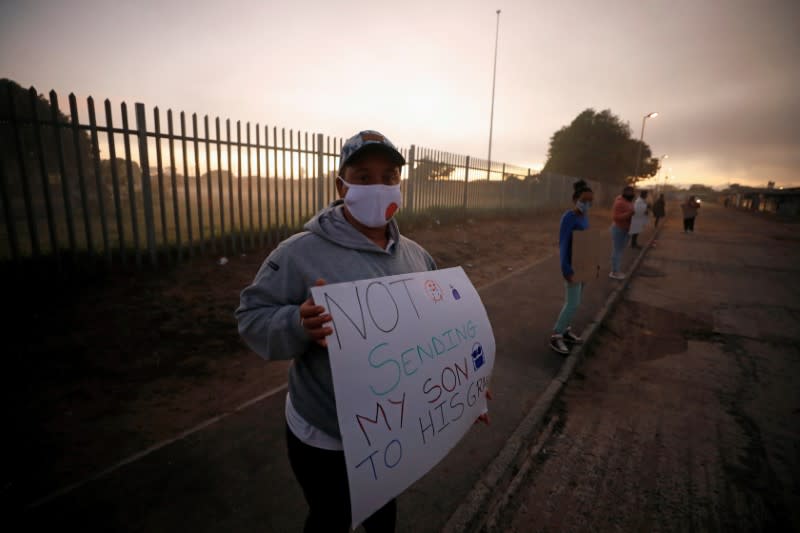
{"x":375,"y":147}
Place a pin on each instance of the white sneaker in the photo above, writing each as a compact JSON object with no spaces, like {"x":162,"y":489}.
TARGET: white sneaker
{"x":617,"y":275}
{"x":571,"y":337}
{"x":558,"y":345}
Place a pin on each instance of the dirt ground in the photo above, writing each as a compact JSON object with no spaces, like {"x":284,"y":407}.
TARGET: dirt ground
{"x":105,"y":370}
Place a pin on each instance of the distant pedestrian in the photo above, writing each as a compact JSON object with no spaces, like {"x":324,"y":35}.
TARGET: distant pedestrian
{"x":639,"y":219}
{"x":574,"y":272}
{"x":659,"y":209}
{"x":622,"y":213}
{"x":690,"y":208}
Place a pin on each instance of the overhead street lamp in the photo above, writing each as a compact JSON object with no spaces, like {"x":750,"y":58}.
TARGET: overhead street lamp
{"x":491,"y":116}
{"x":654,"y":114}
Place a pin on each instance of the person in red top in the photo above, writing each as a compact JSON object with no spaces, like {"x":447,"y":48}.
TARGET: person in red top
{"x":622,"y":213}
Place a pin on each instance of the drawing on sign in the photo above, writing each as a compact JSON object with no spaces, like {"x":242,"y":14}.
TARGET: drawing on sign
{"x":433,"y":291}
{"x":456,"y":295}
{"x":477,"y":355}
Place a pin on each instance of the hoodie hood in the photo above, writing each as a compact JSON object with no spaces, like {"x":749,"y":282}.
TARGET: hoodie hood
{"x":331,"y":225}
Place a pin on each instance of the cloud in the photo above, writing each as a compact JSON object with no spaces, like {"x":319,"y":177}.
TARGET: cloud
{"x":755,"y":127}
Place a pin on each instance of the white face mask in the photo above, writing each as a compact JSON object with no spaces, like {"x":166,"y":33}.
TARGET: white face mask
{"x":583,"y":207}
{"x":372,"y":205}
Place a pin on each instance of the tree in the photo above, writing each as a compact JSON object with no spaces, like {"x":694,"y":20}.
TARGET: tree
{"x":121,"y":167}
{"x":17,"y":100}
{"x":698,"y":189}
{"x":429,"y":169}
{"x":599,"y":146}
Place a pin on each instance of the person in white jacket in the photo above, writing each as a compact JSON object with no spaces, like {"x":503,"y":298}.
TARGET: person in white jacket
{"x":639,"y":220}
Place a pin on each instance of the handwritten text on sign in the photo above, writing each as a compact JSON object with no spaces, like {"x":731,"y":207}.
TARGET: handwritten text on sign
{"x":411,"y":357}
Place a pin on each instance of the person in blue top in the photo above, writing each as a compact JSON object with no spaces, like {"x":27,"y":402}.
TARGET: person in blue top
{"x":576,"y":219}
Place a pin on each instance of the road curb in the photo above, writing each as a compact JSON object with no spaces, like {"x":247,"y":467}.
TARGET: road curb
{"x":510,"y":464}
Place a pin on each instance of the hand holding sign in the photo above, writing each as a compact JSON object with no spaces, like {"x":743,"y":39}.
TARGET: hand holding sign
{"x":313,"y":319}
{"x":484,"y":417}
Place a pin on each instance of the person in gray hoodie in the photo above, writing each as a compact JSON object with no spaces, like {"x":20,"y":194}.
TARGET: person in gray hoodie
{"x":354,"y":238}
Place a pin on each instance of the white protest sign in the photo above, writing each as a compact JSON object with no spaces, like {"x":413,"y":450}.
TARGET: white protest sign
{"x":411,"y":357}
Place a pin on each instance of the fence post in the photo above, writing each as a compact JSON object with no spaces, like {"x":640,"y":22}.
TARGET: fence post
{"x":98,"y":178}
{"x":147,"y":191}
{"x":65,"y":192}
{"x":5,"y":196}
{"x":33,"y":233}
{"x":320,"y":173}
{"x":503,"y":188}
{"x":547,"y":189}
{"x":411,"y":178}
{"x":530,"y":189}
{"x":76,"y":140}
{"x":466,"y":182}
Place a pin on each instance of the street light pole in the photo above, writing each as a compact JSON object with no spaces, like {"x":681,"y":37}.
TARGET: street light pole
{"x":491,"y":116}
{"x":654,"y":114}
{"x":665,"y":179}
{"x":660,"y":164}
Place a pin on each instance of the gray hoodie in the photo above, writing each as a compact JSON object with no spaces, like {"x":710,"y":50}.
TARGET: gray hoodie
{"x":269,"y":310}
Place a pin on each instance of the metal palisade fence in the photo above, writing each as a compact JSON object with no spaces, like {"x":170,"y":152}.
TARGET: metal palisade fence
{"x":151,"y":188}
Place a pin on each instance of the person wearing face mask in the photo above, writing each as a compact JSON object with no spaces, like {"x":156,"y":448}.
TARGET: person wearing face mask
{"x":354,"y":238}
{"x":575,"y":269}
{"x":622,"y":213}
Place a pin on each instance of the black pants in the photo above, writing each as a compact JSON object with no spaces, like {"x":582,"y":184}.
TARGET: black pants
{"x":688,"y":224}
{"x":657,"y":219}
{"x":634,"y":239}
{"x":322,"y":475}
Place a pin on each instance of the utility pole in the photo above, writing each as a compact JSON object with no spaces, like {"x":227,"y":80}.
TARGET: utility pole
{"x":494,"y":79}
{"x":654,"y":114}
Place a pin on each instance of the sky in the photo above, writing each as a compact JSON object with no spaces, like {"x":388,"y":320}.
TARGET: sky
{"x":722,"y":74}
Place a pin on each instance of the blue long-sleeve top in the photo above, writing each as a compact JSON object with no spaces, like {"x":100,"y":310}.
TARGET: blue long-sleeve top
{"x":570,"y":221}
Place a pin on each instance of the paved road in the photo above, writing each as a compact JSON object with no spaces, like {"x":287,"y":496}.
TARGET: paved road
{"x":685,"y":416}
{"x":234,"y":475}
